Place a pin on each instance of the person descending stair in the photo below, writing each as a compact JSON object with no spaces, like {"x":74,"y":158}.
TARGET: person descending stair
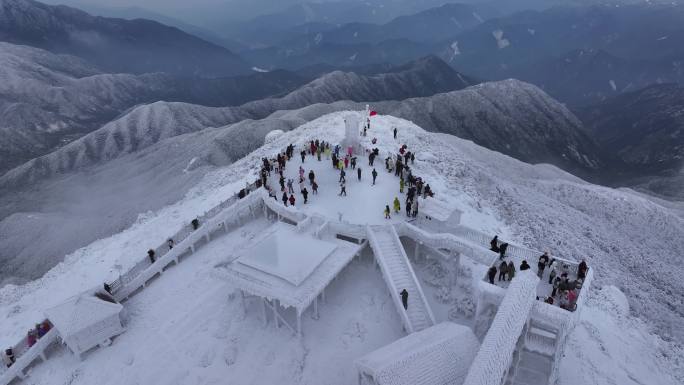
{"x":387,"y":212}
{"x":397,"y":205}
{"x":404,"y":299}
{"x":292,"y":200}
{"x":511,"y":270}
{"x":285,"y":198}
{"x":491,"y":274}
{"x":503,"y":270}
{"x":494,"y":244}
{"x":502,"y":250}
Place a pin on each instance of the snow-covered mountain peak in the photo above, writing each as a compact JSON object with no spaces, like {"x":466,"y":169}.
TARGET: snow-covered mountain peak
{"x":537,"y":206}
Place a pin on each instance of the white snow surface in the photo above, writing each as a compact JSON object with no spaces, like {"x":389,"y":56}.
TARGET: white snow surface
{"x":187,"y":328}
{"x":81,"y":312}
{"x":445,"y":351}
{"x":287,"y":254}
{"x":258,"y":69}
{"x":500,"y":41}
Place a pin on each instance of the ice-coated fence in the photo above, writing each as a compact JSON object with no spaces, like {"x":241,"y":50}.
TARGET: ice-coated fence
{"x":232,"y":215}
{"x":445,"y":241}
{"x":494,"y":359}
{"x":177,"y":238}
{"x":25,"y":355}
{"x":399,"y":275}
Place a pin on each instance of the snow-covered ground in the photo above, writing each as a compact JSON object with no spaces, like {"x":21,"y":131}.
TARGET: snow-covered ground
{"x":186,"y":329}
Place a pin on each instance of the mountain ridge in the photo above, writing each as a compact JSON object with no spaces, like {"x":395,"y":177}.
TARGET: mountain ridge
{"x":477,"y":110}
{"x":115,"y":45}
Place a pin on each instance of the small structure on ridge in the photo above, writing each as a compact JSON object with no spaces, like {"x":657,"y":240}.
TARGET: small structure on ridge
{"x":87,"y":320}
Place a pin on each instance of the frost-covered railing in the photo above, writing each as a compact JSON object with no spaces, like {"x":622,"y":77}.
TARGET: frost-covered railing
{"x":490,"y":294}
{"x":247,"y":206}
{"x":550,"y":316}
{"x":28,"y":356}
{"x":390,"y":284}
{"x":583,"y":293}
{"x":407,"y":262}
{"x":445,"y":241}
{"x":572,"y":320}
{"x":494,"y":358}
{"x":518,"y":251}
{"x":178,"y":237}
{"x":347,"y":229}
{"x":289,"y":213}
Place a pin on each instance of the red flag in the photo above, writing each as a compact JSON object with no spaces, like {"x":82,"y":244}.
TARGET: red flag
{"x":373,"y":113}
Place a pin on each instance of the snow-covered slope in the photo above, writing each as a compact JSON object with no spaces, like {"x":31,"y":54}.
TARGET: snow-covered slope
{"x":629,"y":240}
{"x":45,"y":97}
{"x":509,"y":116}
{"x":136,"y":155}
{"x":47,"y":100}
{"x":117,"y":45}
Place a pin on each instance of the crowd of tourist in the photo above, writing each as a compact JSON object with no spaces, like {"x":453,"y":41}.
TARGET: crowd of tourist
{"x":564,"y":283}
{"x":343,"y":160}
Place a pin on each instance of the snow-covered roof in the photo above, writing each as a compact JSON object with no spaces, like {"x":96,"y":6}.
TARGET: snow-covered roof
{"x":496,"y":352}
{"x":287,"y":254}
{"x":440,"y":354}
{"x":267,"y":285}
{"x":80,"y":312}
{"x":436,"y":209}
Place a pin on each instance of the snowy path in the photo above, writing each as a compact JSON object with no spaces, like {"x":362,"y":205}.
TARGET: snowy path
{"x":399,"y":275}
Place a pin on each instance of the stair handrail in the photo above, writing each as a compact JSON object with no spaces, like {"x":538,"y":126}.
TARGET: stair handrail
{"x":426,"y":304}
{"x":447,"y":241}
{"x":385,"y":269}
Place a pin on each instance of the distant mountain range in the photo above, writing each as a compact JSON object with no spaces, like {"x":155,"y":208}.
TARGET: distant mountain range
{"x":47,"y":100}
{"x":138,"y":133}
{"x":644,"y":129}
{"x":396,"y":41}
{"x":511,"y":117}
{"x":115,"y":45}
{"x":152,"y":155}
{"x":579,"y":54}
{"x":424,"y":77}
